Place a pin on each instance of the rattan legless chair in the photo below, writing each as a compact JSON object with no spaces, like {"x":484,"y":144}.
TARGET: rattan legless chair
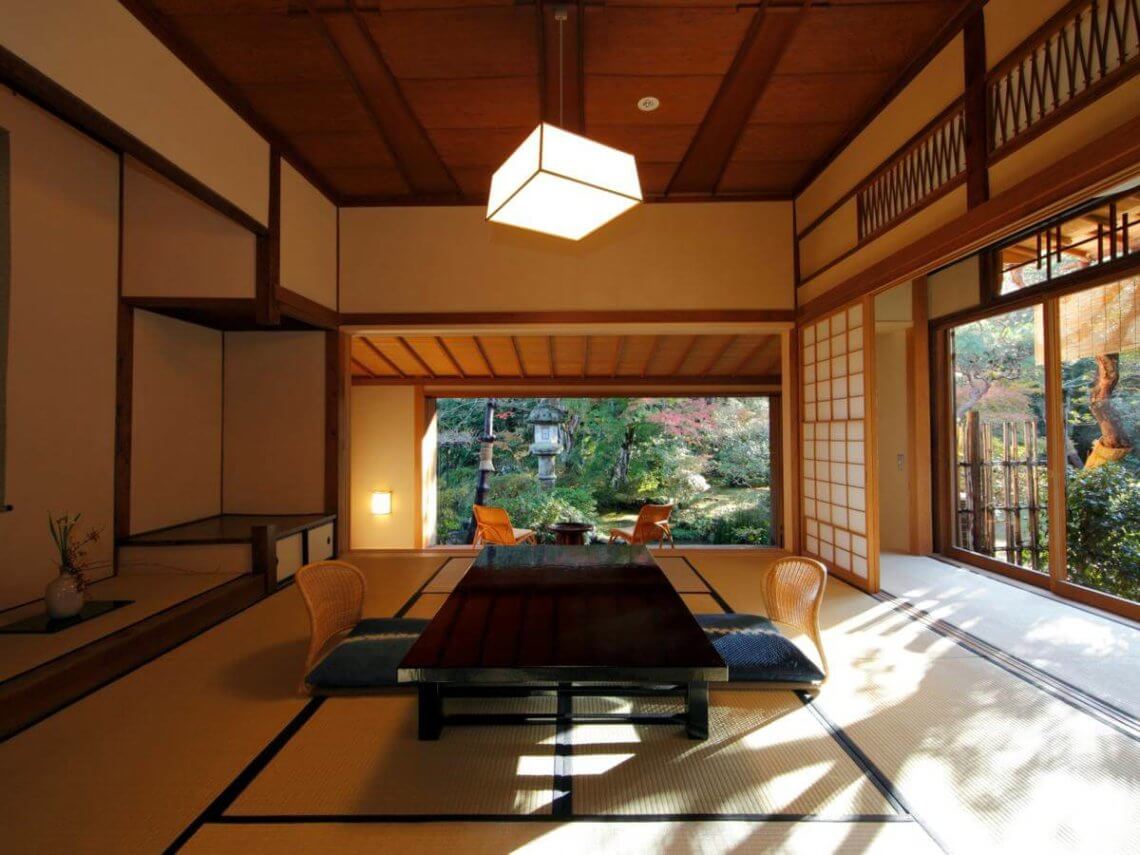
{"x":493,"y":525}
{"x":652,"y":526}
{"x":755,"y":650}
{"x":348,"y":654}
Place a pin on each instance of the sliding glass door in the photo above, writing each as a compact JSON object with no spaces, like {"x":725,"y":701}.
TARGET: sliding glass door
{"x":1001,"y":469}
{"x":1045,"y":403}
{"x":1099,"y":378}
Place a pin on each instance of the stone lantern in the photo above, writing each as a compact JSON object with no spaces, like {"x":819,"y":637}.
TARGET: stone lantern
{"x":547,"y":445}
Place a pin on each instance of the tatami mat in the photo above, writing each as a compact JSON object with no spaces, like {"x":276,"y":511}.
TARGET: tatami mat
{"x":528,"y":838}
{"x":680,"y":575}
{"x":1095,"y":652}
{"x":448,"y":577}
{"x":702,"y":604}
{"x":766,"y":754}
{"x":426,"y":605}
{"x":361,"y":756}
{"x":986,"y":761}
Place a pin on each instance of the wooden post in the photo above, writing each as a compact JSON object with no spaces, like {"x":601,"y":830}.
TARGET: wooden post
{"x":776,"y":466}
{"x":1055,"y":445}
{"x":918,"y":435}
{"x":263,"y":547}
{"x":975,"y":498}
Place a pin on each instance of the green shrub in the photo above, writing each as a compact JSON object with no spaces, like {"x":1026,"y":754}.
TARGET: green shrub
{"x":1104,"y":529}
{"x":742,"y":526}
{"x":532,"y":506}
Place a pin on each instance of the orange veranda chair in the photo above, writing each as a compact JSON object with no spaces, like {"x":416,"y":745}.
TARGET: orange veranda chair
{"x":493,"y":525}
{"x":652,"y":526}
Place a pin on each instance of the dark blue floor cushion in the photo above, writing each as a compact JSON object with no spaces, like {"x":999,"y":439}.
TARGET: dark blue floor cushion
{"x":368,"y":656}
{"x":756,"y":652}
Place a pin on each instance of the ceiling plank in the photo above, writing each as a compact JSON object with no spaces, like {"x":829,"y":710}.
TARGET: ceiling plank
{"x":550,"y":350}
{"x":160,"y":26}
{"x":585,"y":354}
{"x":752,"y":352}
{"x":720,"y":352}
{"x":569,"y":110}
{"x":412,"y":352}
{"x":618,"y":351}
{"x":356,"y":362}
{"x":685,"y":354}
{"x":764,"y":44}
{"x":649,"y":356}
{"x":419,"y":163}
{"x":483,"y":353}
{"x":383,"y":356}
{"x":451,"y":356}
{"x":518,"y":355}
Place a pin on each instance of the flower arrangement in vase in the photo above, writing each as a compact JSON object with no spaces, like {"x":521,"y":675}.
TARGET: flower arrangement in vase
{"x":66,"y":593}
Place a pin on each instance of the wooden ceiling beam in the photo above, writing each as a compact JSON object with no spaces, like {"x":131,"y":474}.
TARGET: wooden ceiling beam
{"x":542,"y":383}
{"x":685,"y":354}
{"x":450,"y":356}
{"x":569,"y":112}
{"x":585,"y":354}
{"x":420,"y":165}
{"x":653,"y":346}
{"x":764,"y":43}
{"x":550,"y":351}
{"x":383,"y":356}
{"x":483,"y":353}
{"x":367,"y":370}
{"x":761,"y":346}
{"x":197,"y":60}
{"x":721,"y":351}
{"x":618,"y":351}
{"x":518,"y":355}
{"x":414,"y":354}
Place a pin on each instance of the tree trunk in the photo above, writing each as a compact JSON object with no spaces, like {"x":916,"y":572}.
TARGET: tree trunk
{"x":621,"y":465}
{"x":978,"y":389}
{"x":1114,"y":442}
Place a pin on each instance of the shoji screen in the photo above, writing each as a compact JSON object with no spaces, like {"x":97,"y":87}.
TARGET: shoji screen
{"x":839,"y":502}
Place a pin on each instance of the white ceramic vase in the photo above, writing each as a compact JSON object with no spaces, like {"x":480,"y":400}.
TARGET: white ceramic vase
{"x":63,"y":597}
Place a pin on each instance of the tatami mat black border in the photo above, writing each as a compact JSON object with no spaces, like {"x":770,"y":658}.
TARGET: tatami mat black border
{"x":1118,"y":719}
{"x":427,"y":818}
{"x":411,"y":601}
{"x":720,"y":601}
{"x":217,"y":808}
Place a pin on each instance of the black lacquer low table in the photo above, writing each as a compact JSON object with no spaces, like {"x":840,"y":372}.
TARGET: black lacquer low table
{"x":564,"y":616}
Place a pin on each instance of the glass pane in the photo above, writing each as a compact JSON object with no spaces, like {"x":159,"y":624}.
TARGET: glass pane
{"x":999,"y":398}
{"x":1102,"y":234}
{"x":1100,"y":371}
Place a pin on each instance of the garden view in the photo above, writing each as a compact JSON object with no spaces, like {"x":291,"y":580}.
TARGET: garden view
{"x":1000,"y":372}
{"x":710,"y":456}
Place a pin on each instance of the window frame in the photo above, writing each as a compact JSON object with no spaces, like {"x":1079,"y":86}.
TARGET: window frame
{"x":1048,"y":296}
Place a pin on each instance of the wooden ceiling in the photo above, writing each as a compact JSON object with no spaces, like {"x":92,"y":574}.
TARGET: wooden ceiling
{"x":419,"y":101}
{"x":745,"y":358}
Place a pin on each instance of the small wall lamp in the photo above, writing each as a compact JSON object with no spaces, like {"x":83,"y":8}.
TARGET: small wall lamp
{"x":382,"y":503}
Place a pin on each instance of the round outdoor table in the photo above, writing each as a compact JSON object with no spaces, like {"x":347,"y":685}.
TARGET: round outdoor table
{"x":571,"y":534}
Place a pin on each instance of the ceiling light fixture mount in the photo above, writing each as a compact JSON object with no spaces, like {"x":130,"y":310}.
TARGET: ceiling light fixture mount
{"x":561,"y":183}
{"x":648,"y":104}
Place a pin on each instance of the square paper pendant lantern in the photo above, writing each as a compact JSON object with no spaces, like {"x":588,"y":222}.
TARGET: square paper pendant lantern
{"x":563,"y":184}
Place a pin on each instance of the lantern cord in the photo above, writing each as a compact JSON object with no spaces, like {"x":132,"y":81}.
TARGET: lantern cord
{"x":561,"y":72}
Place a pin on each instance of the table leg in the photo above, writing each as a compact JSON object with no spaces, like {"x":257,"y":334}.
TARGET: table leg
{"x":431,"y":711}
{"x":697,"y":710}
